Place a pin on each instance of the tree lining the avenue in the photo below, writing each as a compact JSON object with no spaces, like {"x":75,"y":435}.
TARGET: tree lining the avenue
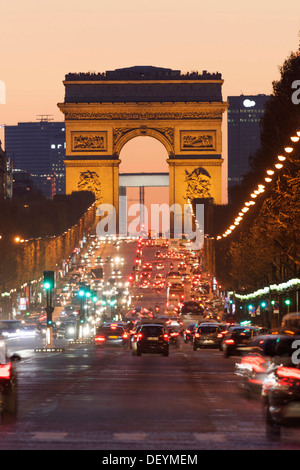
{"x":264,"y":249}
{"x":37,"y":234}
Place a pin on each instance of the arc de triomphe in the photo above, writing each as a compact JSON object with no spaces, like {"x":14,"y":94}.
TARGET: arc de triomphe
{"x":184,"y":112}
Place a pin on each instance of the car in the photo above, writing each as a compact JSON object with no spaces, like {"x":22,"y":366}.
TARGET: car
{"x":160,"y":266}
{"x":145,"y":284}
{"x":151,"y":338}
{"x":133,"y":335}
{"x":252,"y":369}
{"x":189,"y":331}
{"x":207,"y":335}
{"x":173,"y":336}
{"x":8,"y":381}
{"x":9,"y":328}
{"x":173,"y":276}
{"x":238,"y":338}
{"x":113,"y":334}
{"x":68,"y":330}
{"x":281,"y":389}
{"x":116,"y":273}
{"x":70,"y":310}
{"x":191,"y":306}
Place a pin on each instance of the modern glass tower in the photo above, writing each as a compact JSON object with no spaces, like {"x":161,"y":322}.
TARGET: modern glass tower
{"x":39,"y":149}
{"x":244,"y":116}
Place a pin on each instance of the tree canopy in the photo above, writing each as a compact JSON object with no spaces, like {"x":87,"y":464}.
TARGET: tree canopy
{"x":265,"y":247}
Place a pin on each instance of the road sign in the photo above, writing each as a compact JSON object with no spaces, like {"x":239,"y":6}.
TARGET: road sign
{"x":276,"y":307}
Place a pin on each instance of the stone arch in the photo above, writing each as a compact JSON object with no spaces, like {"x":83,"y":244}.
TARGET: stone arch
{"x":124,"y":135}
{"x":103,"y":111}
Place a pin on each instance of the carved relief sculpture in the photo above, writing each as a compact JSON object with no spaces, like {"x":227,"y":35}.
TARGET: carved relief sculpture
{"x":198,"y":140}
{"x":88,"y":141}
{"x":198,"y":184}
{"x":90,"y":181}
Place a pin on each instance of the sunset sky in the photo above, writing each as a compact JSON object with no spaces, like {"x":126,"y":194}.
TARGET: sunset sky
{"x":41,"y":41}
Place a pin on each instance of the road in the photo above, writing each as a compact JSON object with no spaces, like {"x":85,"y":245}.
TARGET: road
{"x":86,"y":398}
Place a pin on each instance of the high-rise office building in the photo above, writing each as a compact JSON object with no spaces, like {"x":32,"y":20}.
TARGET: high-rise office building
{"x":244,"y":116}
{"x":38,"y":148}
{"x":6,"y":173}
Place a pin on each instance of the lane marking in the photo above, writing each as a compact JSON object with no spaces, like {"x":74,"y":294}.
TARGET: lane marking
{"x":134,"y":436}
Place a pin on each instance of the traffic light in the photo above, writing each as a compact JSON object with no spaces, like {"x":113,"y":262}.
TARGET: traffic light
{"x":94,"y":296}
{"x":287,"y":302}
{"x":84,"y":291}
{"x":49,"y":310}
{"x":48,"y":283}
{"x":113,"y":301}
{"x":263,"y":304}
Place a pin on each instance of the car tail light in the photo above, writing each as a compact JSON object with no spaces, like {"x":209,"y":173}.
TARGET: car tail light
{"x":125,"y":335}
{"x":139,"y":337}
{"x":5,"y":371}
{"x":288,"y":372}
{"x":166,"y":337}
{"x":188,"y":331}
{"x":229,"y":341}
{"x":219,"y":335}
{"x":100,"y":339}
{"x":197,"y":335}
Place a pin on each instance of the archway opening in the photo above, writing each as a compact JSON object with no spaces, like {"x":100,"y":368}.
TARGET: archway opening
{"x":148,"y":156}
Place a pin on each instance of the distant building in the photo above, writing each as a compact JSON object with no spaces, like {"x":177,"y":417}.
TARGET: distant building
{"x":6,"y":176}
{"x":38,"y":148}
{"x":244,"y":116}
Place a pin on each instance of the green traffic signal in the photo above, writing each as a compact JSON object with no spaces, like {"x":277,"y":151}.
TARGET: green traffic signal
{"x":48,"y":280}
{"x":287,"y":301}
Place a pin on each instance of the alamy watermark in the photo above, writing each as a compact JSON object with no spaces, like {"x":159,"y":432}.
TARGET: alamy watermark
{"x":296,"y":355}
{"x":2,"y":92}
{"x":173,"y":221}
{"x":296,"y":94}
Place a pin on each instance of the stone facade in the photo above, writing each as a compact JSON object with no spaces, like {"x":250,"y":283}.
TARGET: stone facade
{"x":184,"y":112}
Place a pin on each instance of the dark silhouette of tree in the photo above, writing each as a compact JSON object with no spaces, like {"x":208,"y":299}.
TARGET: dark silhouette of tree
{"x":265,"y":247}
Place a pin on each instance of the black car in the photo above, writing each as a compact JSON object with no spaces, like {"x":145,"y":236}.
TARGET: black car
{"x":8,"y":381}
{"x":207,"y":335}
{"x":260,"y":352}
{"x":238,"y":338}
{"x":281,"y":388}
{"x":112,"y":334}
{"x":151,"y":338}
